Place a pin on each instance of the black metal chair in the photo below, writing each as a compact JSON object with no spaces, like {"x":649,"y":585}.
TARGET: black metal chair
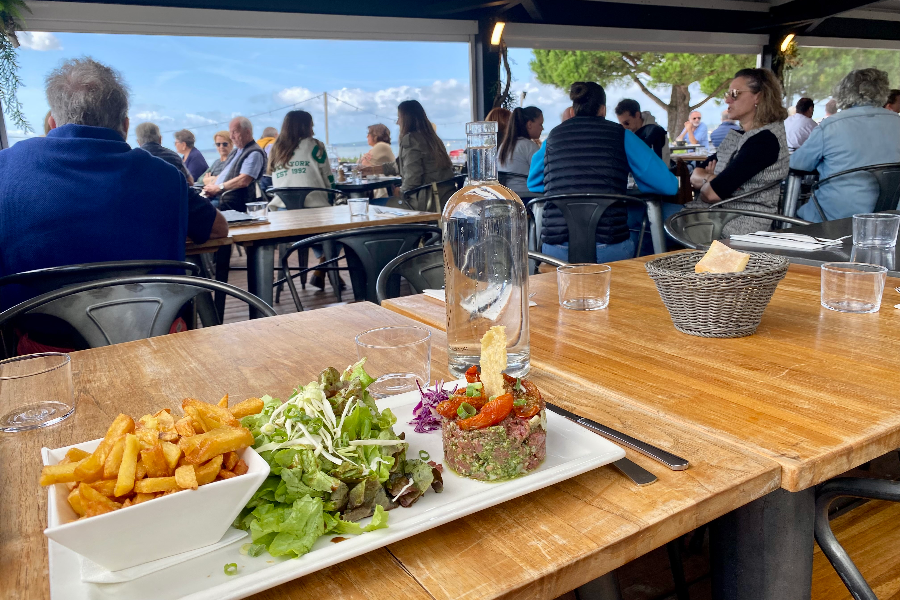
{"x":877,"y":489}
{"x":746,"y":195}
{"x":887,"y":175}
{"x":697,"y":228}
{"x":124,"y":309}
{"x":294,"y":198}
{"x":367,"y":250}
{"x":582,"y":213}
{"x":456,"y":183}
{"x":40,"y":281}
{"x":423,"y":269}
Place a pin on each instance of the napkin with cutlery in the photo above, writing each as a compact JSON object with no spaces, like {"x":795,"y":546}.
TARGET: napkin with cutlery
{"x":794,"y":241}
{"x":442,"y":296}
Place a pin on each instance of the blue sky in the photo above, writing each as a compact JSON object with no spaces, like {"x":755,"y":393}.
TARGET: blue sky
{"x":195,"y":82}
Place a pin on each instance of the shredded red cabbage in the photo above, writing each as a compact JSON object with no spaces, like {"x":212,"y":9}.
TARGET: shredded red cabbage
{"x":425,"y":418}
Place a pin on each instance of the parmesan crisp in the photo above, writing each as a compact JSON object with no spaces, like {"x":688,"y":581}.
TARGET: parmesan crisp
{"x":493,"y":360}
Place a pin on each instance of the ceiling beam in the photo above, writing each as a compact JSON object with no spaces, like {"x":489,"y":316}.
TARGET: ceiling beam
{"x":533,"y":10}
{"x":807,"y":11}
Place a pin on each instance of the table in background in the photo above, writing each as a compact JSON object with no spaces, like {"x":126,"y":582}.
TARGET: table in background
{"x":285,"y":226}
{"x":691,"y":157}
{"x":814,"y":390}
{"x":358,"y":190}
{"x":830,"y":230}
{"x":674,"y":147}
{"x":543,"y":544}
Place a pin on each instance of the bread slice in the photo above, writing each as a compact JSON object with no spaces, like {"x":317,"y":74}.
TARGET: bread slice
{"x":722,"y":259}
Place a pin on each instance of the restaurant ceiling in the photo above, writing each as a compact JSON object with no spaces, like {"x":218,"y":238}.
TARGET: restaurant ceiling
{"x":442,"y":20}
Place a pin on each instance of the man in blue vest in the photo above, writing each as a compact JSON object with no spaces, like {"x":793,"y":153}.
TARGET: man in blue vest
{"x":245,"y":166}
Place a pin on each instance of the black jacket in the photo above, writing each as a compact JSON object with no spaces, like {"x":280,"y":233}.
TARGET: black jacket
{"x":586,"y":155}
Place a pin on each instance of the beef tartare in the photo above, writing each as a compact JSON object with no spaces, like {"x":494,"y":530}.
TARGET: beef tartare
{"x":498,"y":438}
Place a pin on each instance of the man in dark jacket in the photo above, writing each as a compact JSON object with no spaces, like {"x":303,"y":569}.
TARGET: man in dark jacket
{"x":644,"y":126}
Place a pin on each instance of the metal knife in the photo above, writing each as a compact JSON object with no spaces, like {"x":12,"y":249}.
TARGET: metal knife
{"x":673,"y":461}
{"x":638,"y":474}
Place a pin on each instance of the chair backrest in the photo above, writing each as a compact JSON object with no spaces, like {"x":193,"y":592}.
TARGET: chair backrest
{"x":888,"y":177}
{"x":503,"y":177}
{"x":124,"y":309}
{"x":41,"y":281}
{"x":367,"y":250}
{"x":582,"y":213}
{"x":448,"y":185}
{"x":698,"y":228}
{"x":423,"y":269}
{"x":294,"y":198}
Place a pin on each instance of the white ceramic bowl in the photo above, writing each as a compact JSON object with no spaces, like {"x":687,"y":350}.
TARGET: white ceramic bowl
{"x":155,"y":529}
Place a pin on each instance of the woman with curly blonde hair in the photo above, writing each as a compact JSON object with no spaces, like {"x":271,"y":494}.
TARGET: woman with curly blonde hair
{"x":751,"y":159}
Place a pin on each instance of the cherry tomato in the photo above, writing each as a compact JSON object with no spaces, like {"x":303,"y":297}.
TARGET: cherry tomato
{"x":529,"y":393}
{"x":491,"y":413}
{"x":448,"y":408}
{"x":472,"y":374}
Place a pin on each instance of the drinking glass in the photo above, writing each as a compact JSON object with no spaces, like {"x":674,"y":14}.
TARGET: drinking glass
{"x":359,"y":207}
{"x":852,"y":287}
{"x":35,"y":391}
{"x":583,"y":286}
{"x":355,"y":174}
{"x":397,"y":357}
{"x":877,"y":230}
{"x":259,"y":211}
{"x":886,"y":257}
{"x":333,"y":159}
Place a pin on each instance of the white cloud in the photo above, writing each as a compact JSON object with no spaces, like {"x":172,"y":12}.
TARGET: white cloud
{"x":292,"y":95}
{"x":152,"y":115}
{"x":39,"y":40}
{"x":195,"y":120}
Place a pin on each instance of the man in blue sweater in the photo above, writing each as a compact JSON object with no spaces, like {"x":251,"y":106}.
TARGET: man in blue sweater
{"x":83,"y":195}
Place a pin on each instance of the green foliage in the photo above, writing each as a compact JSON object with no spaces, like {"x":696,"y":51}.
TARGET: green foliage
{"x":818,"y":70}
{"x":11,"y":12}
{"x":650,"y":70}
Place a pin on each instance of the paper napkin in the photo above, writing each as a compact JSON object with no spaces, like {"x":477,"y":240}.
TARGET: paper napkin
{"x":440,"y":295}
{"x":793,"y":241}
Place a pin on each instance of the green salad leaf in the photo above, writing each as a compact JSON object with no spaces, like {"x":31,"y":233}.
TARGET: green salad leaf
{"x":334,"y":459}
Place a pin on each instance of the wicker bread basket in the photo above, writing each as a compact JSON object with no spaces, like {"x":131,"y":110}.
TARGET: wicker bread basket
{"x":722,"y":305}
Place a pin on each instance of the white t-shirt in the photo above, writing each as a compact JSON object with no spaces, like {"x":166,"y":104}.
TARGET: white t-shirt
{"x":308,"y":167}
{"x":797,"y":128}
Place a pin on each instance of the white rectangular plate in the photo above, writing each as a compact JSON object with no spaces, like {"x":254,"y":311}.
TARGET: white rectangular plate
{"x":571,"y":450}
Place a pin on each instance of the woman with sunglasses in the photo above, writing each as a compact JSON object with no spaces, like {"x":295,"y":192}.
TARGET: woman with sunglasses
{"x":224,"y":148}
{"x":749,"y":159}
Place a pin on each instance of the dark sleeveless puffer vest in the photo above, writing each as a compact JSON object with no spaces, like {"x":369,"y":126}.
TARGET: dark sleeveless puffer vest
{"x":586,"y":155}
{"x":238,"y":199}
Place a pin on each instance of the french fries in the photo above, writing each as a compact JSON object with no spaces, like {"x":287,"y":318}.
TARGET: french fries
{"x":155,"y":456}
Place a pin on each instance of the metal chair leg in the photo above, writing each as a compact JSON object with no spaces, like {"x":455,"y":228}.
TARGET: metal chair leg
{"x":878,"y":489}
{"x":640,"y":244}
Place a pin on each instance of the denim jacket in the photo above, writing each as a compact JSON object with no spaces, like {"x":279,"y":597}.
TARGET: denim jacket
{"x":855,"y":137}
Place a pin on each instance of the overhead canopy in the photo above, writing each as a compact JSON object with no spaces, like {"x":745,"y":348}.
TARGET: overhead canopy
{"x":533,"y":23}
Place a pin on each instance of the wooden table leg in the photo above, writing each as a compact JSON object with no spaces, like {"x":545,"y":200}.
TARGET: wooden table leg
{"x":764,"y":550}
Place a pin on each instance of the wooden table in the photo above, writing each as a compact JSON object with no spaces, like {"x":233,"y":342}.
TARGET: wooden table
{"x":543,"y":544}
{"x":284,"y":226}
{"x":814,"y":390}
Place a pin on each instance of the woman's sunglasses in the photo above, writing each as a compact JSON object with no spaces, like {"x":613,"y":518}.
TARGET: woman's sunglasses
{"x":223,"y":144}
{"x":735,"y":93}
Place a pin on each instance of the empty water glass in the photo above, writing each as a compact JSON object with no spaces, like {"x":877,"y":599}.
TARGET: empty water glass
{"x":333,"y":159}
{"x":852,"y":287}
{"x":885,"y":257}
{"x":877,"y":230}
{"x":259,"y":211}
{"x":583,"y":287}
{"x":397,"y":357}
{"x":359,"y":207}
{"x":35,"y":391}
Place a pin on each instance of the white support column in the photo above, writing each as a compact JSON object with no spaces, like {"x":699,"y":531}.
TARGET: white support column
{"x":325,"y":100}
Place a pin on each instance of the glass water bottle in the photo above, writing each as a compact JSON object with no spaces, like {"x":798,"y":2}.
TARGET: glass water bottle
{"x":485,"y":260}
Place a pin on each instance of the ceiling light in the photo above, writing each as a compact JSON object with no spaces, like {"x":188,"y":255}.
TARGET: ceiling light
{"x":787,"y":42}
{"x":497,"y":35}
